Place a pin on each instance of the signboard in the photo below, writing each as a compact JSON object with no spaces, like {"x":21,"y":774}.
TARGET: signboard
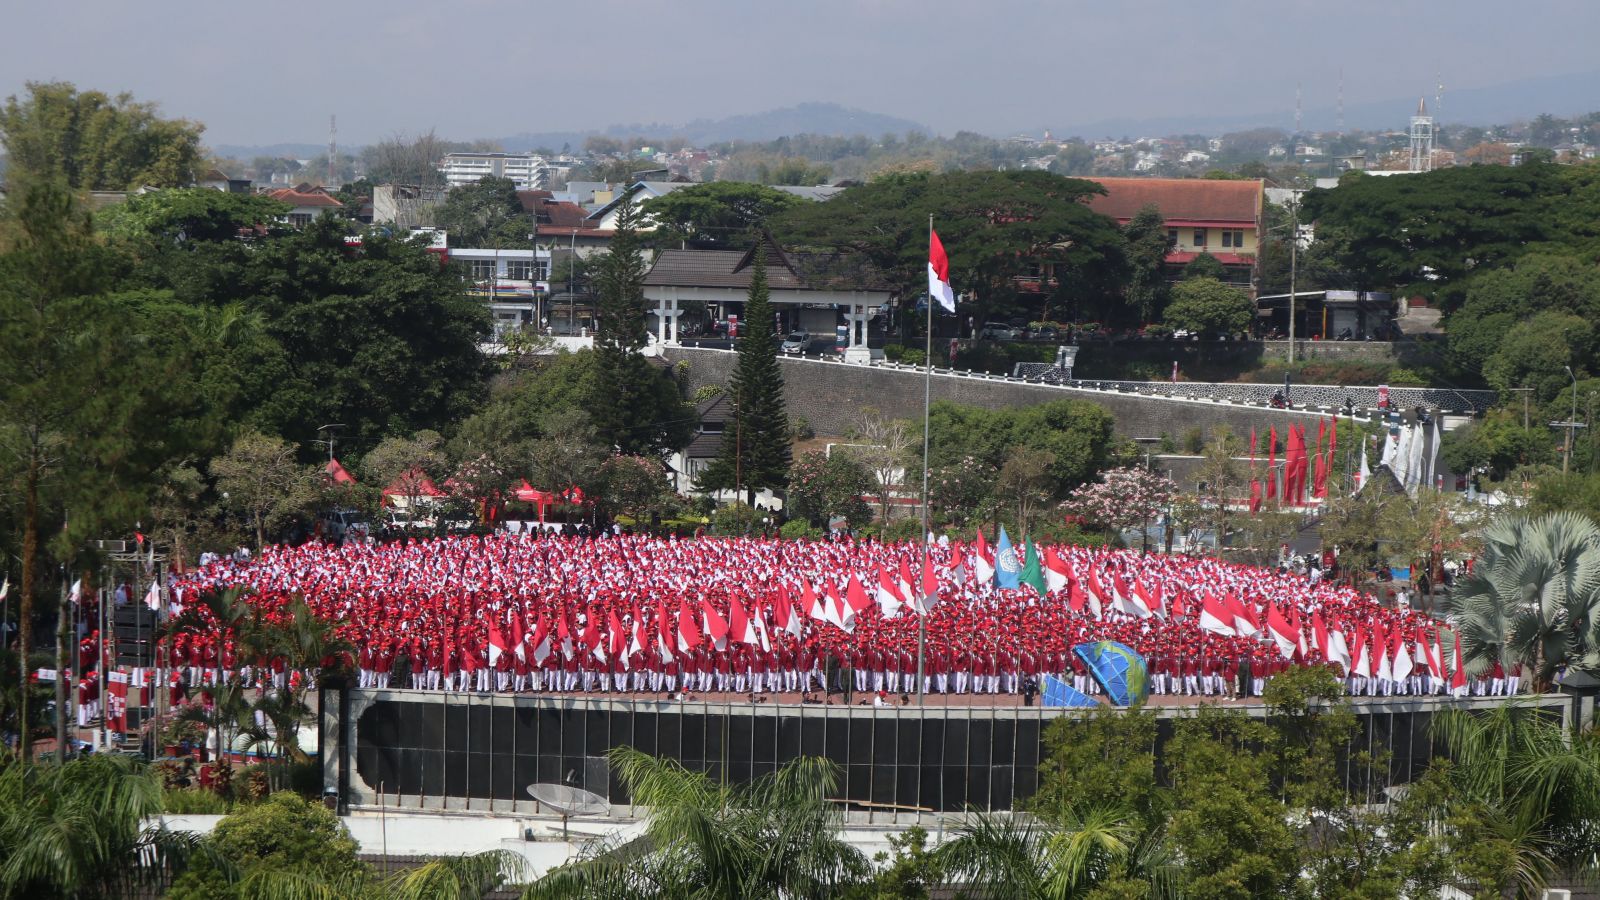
{"x":1383,"y":396}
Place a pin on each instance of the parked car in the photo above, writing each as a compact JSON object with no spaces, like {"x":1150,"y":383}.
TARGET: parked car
{"x":997,"y":331}
{"x":341,"y":524}
{"x":796,"y":342}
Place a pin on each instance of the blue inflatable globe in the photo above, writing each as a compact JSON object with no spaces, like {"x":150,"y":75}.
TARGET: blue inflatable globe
{"x":1118,"y":669}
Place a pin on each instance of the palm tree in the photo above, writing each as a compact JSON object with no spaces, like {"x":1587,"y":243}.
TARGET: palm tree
{"x":1534,"y":596}
{"x":467,"y":877}
{"x":777,"y":836}
{"x":1024,"y":857}
{"x":1532,"y":789}
{"x":79,"y":829}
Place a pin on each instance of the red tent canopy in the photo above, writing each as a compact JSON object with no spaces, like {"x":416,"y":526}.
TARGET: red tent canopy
{"x":337,"y":473}
{"x":527,"y":493}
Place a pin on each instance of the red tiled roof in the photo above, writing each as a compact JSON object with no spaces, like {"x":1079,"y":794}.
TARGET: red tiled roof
{"x":1227,"y":259}
{"x":1181,"y":199}
{"x":315,"y":197}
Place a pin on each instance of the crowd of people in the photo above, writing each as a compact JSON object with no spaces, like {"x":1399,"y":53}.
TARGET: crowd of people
{"x":635,"y":614}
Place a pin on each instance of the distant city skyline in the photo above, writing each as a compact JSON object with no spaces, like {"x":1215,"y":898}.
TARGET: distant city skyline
{"x":492,"y":68}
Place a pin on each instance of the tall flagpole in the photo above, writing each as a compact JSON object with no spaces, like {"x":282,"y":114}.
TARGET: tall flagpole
{"x":927,"y":393}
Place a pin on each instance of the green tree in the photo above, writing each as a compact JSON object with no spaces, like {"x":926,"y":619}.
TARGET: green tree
{"x":1207,"y":306}
{"x":1097,"y":855}
{"x":1147,"y":288}
{"x":1533,"y":596}
{"x":187,"y":215}
{"x":717,"y":215}
{"x":1077,"y":433}
{"x":262,"y":482}
{"x":80,"y":829}
{"x":994,"y":226}
{"x":1537,"y":352}
{"x":1204,"y":265}
{"x":283,"y":833}
{"x":1496,"y":300}
{"x":408,"y":464}
{"x":486,"y":214}
{"x":1497,"y":442}
{"x":755,"y":443}
{"x":89,"y":141}
{"x":822,"y":487}
{"x":776,"y":836}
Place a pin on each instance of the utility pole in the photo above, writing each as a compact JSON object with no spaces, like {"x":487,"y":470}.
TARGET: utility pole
{"x":1294,"y":260}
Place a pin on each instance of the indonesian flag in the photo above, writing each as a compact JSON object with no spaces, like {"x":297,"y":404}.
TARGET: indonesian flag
{"x":497,"y":643}
{"x":1380,"y":646}
{"x":1214,"y":618}
{"x":815,"y":607}
{"x":76,"y":593}
{"x":1152,"y":603}
{"x":905,"y":582}
{"x":1422,"y":652}
{"x":1097,"y":593}
{"x":152,"y":597}
{"x":564,"y":635}
{"x":835,"y":611}
{"x":983,"y":560}
{"x":758,"y":624}
{"x":1272,"y":462}
{"x":636,"y":633}
{"x":1338,"y":651}
{"x":1363,"y":664}
{"x":1458,"y":681}
{"x":1402,"y":656}
{"x":1319,"y":634}
{"x":1282,"y":633}
{"x":519,"y":637}
{"x":716,"y":628}
{"x":541,"y":641}
{"x":1244,"y":620}
{"x":856,"y":597}
{"x":1127,"y":601}
{"x":958,"y":564}
{"x":1077,"y":598}
{"x":592,"y":637}
{"x":739,"y":626}
{"x":688,"y":633}
{"x":1056,"y":573}
{"x":888,"y":594}
{"x":784,"y":615}
{"x":619,"y":639}
{"x":939,"y":274}
{"x":666,"y":637}
{"x":928,"y":597}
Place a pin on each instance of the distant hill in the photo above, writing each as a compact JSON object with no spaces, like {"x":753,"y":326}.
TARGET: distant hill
{"x":1560,"y":95}
{"x":807,"y":118}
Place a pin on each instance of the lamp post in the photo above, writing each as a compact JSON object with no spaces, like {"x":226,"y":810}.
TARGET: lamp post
{"x":1572,"y":422}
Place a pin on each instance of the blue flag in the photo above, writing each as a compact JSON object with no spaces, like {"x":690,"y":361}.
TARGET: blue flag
{"x":1007,"y":568}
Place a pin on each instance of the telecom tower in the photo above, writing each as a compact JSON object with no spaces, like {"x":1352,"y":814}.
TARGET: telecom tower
{"x":1421,"y":138}
{"x":333,"y":148}
{"x":1297,"y":107}
{"x":1341,"y":100}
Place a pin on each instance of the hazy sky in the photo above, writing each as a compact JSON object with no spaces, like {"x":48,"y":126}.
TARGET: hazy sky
{"x":266,"y":72}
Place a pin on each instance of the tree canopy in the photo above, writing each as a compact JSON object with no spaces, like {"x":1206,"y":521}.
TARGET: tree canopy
{"x":90,"y":141}
{"x":1207,"y":306}
{"x":717,"y":215}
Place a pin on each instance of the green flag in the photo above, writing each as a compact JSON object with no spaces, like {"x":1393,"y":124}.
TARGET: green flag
{"x":1032,"y":574}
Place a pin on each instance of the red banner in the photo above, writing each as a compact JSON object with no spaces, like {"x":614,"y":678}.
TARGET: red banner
{"x":116,"y":701}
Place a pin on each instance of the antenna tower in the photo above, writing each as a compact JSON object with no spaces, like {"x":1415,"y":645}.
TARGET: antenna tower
{"x":1438,"y":97}
{"x":333,"y":146}
{"x":1341,"y":100}
{"x":1297,"y":107}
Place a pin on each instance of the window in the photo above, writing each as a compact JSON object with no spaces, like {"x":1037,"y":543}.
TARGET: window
{"x":519,"y":269}
{"x":483,"y":270}
{"x":1199,"y":237}
{"x":299,"y":220}
{"x":542,"y":270}
{"x":1233,"y":238}
{"x":1172,"y":237}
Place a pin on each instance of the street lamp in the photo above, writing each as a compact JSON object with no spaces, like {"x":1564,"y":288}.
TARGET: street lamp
{"x":1572,"y":422}
{"x":330,"y":438}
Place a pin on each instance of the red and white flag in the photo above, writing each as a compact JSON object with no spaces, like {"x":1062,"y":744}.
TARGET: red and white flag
{"x":1215,"y":618}
{"x":618,"y":639}
{"x":888,"y":594}
{"x":688,"y":633}
{"x":666,"y":635}
{"x":1458,"y":681}
{"x":958,"y":564}
{"x":928,"y":597}
{"x":1338,"y":651}
{"x":1282,"y":633}
{"x":1363,"y":663}
{"x":541,"y":641}
{"x":1401,"y":665}
{"x":519,"y":637}
{"x":497,"y":643}
{"x":739,"y":624}
{"x":939,"y":273}
{"x":856,"y":600}
{"x":716,"y":628}
{"x":1056,"y":573}
{"x":983,"y":560}
{"x":784,"y":614}
{"x":816,"y":607}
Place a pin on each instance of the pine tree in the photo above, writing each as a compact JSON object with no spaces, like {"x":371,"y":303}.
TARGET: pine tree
{"x":755,"y":442}
{"x":624,"y":402}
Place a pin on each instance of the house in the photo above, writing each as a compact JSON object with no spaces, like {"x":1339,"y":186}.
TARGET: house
{"x":514,"y":282}
{"x":563,"y":224}
{"x":812,"y":291}
{"x":686,"y":465}
{"x":216,"y":180}
{"x":404,"y":205}
{"x":1219,"y":217}
{"x":305,"y":203}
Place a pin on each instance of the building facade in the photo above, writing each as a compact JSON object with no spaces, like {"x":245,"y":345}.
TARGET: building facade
{"x":1222,"y":218}
{"x":527,"y":170}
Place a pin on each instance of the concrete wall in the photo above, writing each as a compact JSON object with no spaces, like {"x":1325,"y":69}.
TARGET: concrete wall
{"x":831,"y":396}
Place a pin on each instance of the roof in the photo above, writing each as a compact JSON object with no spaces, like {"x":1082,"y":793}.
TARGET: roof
{"x":312,"y":197}
{"x":787,"y":270}
{"x":1182,"y":199}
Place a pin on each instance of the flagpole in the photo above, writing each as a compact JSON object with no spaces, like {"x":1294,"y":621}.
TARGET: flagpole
{"x":927,"y":393}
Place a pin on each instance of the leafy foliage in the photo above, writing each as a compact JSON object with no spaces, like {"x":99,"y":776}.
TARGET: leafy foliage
{"x":1204,"y":305}
{"x":755,"y":443}
{"x":88,"y":141}
{"x":822,"y":487}
{"x":717,"y":215}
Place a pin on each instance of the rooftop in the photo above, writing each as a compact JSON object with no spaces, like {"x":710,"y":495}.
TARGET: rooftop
{"x":1181,"y":199}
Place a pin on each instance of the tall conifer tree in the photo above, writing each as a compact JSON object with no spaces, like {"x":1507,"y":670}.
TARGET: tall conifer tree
{"x":624,"y":402}
{"x":755,"y":442}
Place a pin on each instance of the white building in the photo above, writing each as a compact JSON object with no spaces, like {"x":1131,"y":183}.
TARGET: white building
{"x":515,"y":283}
{"x":527,"y":170}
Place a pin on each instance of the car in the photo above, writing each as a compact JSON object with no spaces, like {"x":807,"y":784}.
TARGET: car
{"x":997,"y":331}
{"x":796,"y":342}
{"x":341,"y":524}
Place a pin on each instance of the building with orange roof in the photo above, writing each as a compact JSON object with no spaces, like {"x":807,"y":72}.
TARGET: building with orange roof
{"x":1203,"y":215}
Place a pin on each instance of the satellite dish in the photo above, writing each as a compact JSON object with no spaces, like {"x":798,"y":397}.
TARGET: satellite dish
{"x":569,"y":801}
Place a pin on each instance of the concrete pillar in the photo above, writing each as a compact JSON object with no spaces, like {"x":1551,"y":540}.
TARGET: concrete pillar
{"x":672,"y":320}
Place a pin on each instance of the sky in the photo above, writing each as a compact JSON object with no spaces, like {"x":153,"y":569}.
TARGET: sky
{"x":274,"y":72}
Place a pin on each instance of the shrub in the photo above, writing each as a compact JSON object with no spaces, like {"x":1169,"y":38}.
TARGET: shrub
{"x":799,"y":529}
